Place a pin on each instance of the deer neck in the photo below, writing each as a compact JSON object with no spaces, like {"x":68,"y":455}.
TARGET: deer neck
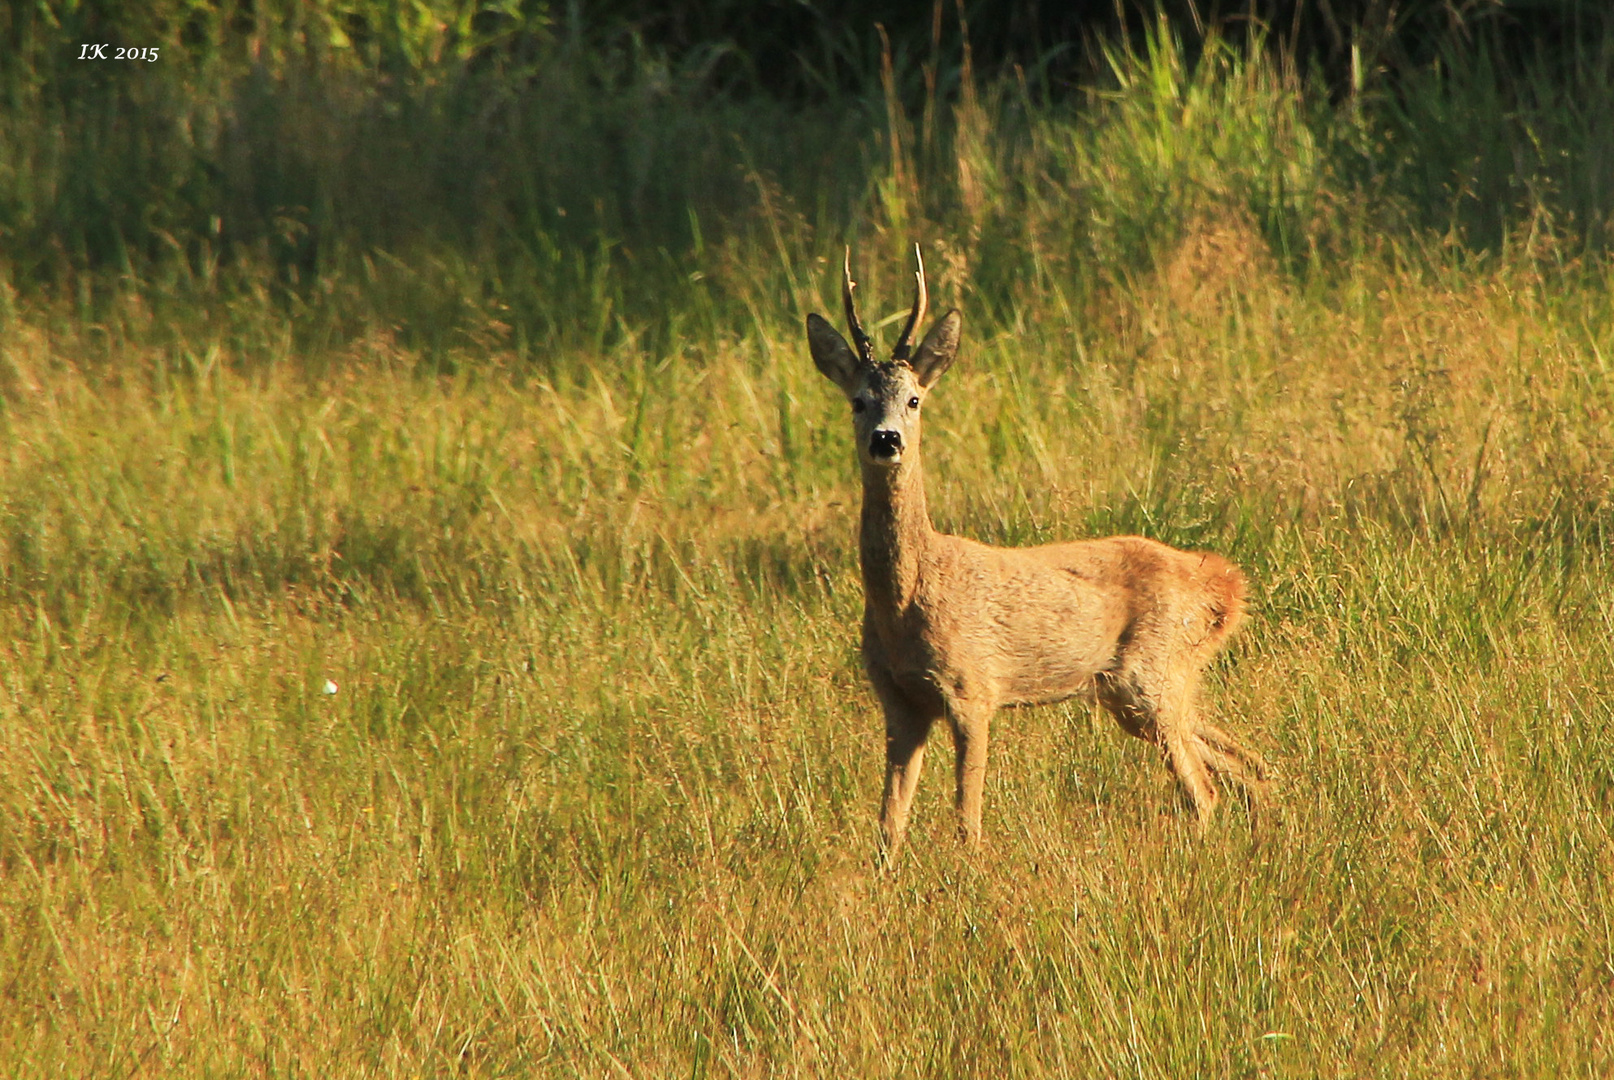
{"x":894,"y":534}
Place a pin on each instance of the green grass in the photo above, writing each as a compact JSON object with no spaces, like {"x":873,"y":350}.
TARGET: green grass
{"x":568,"y":519}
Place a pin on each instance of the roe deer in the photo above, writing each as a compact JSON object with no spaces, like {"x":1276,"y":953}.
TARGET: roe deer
{"x":954,"y":629}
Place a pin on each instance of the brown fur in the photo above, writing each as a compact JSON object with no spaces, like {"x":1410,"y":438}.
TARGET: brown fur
{"x":954,"y":629}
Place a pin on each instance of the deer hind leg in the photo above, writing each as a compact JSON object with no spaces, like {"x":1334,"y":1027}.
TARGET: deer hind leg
{"x":1228,"y":759}
{"x":1158,"y":707}
{"x":1185,"y":754}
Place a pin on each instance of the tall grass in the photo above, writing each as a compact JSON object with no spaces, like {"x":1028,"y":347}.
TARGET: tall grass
{"x":567,"y":519}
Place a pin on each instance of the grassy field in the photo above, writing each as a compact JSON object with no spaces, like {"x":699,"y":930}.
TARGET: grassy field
{"x":595,"y":792}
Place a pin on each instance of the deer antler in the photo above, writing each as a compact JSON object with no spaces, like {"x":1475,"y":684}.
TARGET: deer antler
{"x":865,"y":347}
{"x":921,"y":300}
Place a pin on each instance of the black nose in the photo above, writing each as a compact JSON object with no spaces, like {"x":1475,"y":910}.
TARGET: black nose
{"x":885,"y":443}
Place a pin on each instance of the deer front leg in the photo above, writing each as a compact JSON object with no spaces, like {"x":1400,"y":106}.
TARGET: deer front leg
{"x":904,"y":757}
{"x":971,"y":723}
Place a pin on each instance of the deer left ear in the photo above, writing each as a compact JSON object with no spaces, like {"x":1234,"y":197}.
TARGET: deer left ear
{"x":831,"y":354}
{"x":940,"y":347}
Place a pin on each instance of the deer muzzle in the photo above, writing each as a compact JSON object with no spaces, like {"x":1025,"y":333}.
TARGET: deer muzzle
{"x":885,"y":443}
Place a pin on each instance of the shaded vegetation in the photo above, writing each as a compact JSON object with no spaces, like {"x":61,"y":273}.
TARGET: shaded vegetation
{"x":541,"y":175}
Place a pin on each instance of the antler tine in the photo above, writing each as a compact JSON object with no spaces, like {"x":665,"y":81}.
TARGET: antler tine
{"x":865,"y":347}
{"x":921,"y":300}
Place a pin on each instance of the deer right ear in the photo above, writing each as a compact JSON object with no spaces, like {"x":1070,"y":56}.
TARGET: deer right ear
{"x":831,"y":354}
{"x":939,"y":349}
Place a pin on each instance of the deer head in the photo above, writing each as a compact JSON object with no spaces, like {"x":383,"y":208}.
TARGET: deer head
{"x":886,"y":395}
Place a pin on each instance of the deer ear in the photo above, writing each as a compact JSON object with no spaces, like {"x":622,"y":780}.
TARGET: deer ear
{"x":831,"y":354}
{"x":940,"y":347}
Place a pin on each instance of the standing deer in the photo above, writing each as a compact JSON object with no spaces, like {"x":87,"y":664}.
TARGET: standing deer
{"x":955,"y":629}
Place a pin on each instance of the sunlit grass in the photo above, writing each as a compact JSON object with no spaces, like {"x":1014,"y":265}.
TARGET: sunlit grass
{"x":595,"y":793}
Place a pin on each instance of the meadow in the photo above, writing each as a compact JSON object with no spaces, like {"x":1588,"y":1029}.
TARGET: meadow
{"x":564,"y":515}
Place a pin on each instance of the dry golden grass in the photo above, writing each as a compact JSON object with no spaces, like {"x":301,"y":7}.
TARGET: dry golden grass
{"x":595,"y":795}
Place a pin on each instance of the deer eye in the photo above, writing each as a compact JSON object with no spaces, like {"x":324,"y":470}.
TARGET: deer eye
{"x":857,"y":405}
{"x":913,"y":403}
